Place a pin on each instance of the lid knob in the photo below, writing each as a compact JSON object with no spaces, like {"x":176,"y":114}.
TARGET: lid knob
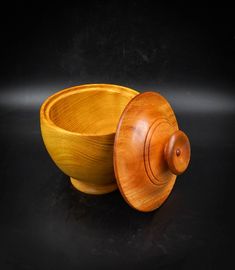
{"x":177,"y":152}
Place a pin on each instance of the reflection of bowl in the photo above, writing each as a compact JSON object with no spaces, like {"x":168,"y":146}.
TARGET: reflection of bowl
{"x":78,"y":127}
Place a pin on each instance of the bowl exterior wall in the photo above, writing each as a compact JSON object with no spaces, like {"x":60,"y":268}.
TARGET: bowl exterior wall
{"x":86,"y":158}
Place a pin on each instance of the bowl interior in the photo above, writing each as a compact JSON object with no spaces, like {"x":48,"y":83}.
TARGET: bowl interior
{"x":90,"y":112}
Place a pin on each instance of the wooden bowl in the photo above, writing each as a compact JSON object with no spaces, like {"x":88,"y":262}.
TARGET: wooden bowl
{"x":104,"y":136}
{"x":78,"y":127}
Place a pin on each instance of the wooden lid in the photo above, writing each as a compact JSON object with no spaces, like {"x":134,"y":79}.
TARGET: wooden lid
{"x":149,"y":151}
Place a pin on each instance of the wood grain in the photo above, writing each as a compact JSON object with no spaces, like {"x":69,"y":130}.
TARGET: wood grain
{"x":78,"y":128}
{"x":142,"y":171}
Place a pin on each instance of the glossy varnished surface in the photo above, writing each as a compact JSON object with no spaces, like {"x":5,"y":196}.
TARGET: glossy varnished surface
{"x":142,"y":172}
{"x":78,"y":127}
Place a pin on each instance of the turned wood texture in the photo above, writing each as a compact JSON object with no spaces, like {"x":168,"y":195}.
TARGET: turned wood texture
{"x":149,"y":151}
{"x":93,"y":131}
{"x":78,"y":127}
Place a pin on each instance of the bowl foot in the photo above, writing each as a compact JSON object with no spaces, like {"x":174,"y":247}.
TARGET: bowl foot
{"x":92,"y":188}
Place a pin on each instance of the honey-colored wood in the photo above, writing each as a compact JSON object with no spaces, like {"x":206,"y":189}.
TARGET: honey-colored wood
{"x":93,"y":188}
{"x":140,"y":159}
{"x":78,"y":128}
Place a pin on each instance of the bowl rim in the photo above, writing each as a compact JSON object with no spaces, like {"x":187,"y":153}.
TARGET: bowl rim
{"x":52,"y":99}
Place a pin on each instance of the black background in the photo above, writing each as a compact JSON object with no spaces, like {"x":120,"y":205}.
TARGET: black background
{"x":186,"y":54}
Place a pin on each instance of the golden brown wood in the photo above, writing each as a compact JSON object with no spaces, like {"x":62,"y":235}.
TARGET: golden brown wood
{"x":142,"y":172}
{"x":78,"y":127}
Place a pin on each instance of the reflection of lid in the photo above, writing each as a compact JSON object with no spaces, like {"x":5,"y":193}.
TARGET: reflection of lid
{"x":149,"y":151}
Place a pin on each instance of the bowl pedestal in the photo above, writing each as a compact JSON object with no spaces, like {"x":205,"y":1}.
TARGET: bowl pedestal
{"x":94,"y":189}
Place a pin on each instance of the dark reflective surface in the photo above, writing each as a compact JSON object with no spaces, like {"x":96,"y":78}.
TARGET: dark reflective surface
{"x":45,"y":223}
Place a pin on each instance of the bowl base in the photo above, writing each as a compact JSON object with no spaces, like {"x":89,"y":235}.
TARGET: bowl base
{"x":92,"y":188}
